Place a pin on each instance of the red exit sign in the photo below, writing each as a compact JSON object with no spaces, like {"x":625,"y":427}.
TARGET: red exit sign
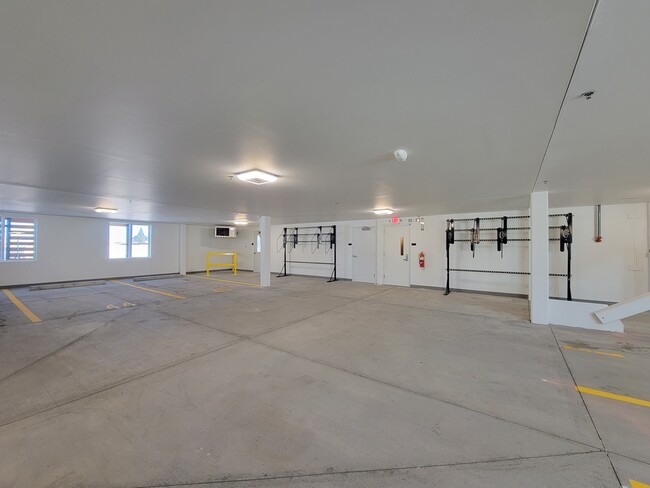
{"x":394,"y":220}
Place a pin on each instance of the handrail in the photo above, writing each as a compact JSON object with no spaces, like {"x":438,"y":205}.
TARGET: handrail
{"x":209,"y":264}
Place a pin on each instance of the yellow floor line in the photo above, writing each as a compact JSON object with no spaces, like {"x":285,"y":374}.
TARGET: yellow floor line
{"x":149,"y":289}
{"x":226,"y":281}
{"x":612,"y":396}
{"x":30,"y":315}
{"x":593,"y":352}
{"x":638,"y":484}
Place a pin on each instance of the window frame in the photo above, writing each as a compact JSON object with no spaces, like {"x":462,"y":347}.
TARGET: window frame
{"x":129,"y":239}
{"x":3,"y":237}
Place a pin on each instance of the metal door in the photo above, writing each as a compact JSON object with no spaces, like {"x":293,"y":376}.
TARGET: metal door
{"x":396,"y":255}
{"x":364,"y":254}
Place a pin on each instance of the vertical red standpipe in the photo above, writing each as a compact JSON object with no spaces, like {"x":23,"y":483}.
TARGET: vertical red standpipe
{"x":599,"y":237}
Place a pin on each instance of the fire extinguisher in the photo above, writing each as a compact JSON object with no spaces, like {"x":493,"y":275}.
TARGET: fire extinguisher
{"x":421,"y":259}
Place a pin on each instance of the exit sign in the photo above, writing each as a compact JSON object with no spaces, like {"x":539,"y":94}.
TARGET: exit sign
{"x":394,"y":220}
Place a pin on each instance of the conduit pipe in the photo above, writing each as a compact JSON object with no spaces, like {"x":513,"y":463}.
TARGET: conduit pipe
{"x":599,"y":237}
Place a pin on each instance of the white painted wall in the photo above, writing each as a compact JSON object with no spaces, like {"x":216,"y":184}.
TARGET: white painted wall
{"x":74,"y":248}
{"x":605,"y":271}
{"x":600,"y":271}
{"x":308,"y":252}
{"x":432,"y":242}
{"x":71,"y":248}
{"x":200,"y":240}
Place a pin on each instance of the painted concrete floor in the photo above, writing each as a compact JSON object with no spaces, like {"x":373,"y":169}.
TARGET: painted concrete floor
{"x":205,"y":383}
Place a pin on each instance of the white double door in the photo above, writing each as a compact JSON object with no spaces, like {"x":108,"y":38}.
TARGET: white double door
{"x":397,"y":242}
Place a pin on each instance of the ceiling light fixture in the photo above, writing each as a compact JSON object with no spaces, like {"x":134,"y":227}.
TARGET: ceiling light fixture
{"x":257,"y":177}
{"x":105,"y":210}
{"x":240,"y":222}
{"x":383,"y":211}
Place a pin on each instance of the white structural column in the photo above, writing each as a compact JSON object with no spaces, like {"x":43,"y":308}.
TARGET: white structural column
{"x":539,"y":258}
{"x":182,"y":249}
{"x":265,"y":256}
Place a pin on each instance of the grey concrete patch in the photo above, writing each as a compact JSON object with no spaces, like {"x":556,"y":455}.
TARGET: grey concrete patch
{"x":122,"y":293}
{"x":625,"y":428}
{"x":628,"y":469}
{"x":129,"y":345}
{"x":28,"y":342}
{"x":248,"y":411}
{"x":63,"y":307}
{"x":469,"y":303}
{"x":251,"y":311}
{"x":576,"y":471}
{"x":10,"y":315}
{"x":509,"y":369}
{"x":343,"y":289}
{"x":154,"y":398}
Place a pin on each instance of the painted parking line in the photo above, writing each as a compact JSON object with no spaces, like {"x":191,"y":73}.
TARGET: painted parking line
{"x":28,"y":313}
{"x":612,"y":396}
{"x":582,"y":349}
{"x":638,"y":484}
{"x":227,"y":281}
{"x":149,"y":289}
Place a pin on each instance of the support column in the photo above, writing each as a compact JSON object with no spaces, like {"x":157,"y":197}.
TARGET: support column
{"x":265,"y":255}
{"x":182,"y":249}
{"x":539,"y":259}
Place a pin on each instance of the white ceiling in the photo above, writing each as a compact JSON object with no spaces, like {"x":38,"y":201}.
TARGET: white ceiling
{"x":600,"y":152}
{"x":151,"y":105}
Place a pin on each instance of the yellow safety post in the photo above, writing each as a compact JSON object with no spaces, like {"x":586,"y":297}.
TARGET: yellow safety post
{"x":209,"y":264}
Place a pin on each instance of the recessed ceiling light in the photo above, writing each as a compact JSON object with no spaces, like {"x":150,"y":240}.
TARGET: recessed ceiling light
{"x":105,"y":210}
{"x":240,"y":222}
{"x":383,"y":211}
{"x":257,"y":177}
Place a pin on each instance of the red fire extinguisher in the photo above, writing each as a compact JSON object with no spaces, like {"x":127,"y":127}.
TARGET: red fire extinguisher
{"x":421,"y":259}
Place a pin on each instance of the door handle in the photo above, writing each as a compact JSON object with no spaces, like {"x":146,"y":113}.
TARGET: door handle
{"x":406,"y":257}
{"x":354,"y":255}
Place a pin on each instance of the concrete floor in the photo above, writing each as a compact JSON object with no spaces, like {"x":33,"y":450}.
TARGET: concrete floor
{"x":312,"y":384}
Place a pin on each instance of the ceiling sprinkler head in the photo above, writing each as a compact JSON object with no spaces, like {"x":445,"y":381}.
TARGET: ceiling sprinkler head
{"x":588,"y":94}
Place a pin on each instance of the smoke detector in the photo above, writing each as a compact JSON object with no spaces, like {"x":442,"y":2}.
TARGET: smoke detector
{"x":401,"y":155}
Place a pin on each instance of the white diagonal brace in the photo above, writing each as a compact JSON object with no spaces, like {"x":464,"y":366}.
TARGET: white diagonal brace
{"x":624,"y":309}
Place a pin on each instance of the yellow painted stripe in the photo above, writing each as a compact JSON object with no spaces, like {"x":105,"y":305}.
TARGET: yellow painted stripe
{"x":149,"y":289}
{"x":226,"y":281}
{"x":30,"y":315}
{"x":593,"y":352}
{"x":612,"y":396}
{"x":638,"y":484}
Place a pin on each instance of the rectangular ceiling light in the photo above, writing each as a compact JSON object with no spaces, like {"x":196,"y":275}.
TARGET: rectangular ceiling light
{"x":240,"y":222}
{"x":383,"y":211}
{"x":105,"y":210}
{"x":257,"y":177}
